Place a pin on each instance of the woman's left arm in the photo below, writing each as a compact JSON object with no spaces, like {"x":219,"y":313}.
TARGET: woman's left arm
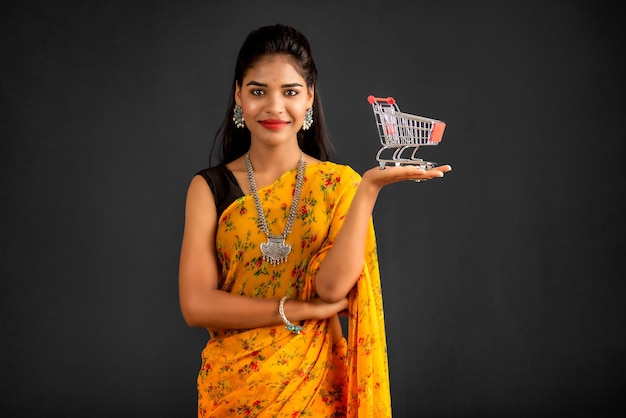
{"x":344,"y":262}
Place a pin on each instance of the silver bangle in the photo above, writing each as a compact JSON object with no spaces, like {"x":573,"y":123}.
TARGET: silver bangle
{"x":288,"y":325}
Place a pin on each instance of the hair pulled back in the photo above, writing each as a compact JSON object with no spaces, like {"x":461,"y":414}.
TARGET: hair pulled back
{"x":270,"y":40}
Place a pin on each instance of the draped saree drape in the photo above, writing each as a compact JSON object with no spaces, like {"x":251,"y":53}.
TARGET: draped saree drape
{"x":269,"y":371}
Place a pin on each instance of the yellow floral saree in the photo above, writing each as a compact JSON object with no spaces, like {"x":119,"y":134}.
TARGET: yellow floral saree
{"x":270,"y":371}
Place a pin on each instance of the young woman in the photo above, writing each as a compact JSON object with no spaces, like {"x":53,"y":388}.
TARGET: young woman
{"x":277,"y":243}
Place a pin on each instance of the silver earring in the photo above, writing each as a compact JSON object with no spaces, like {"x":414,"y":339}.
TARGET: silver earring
{"x":308,"y":119}
{"x":238,"y":116}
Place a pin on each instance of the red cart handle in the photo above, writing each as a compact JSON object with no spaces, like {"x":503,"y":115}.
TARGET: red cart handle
{"x":373,"y":99}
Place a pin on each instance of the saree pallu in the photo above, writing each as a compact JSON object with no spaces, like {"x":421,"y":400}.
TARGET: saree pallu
{"x":269,"y":371}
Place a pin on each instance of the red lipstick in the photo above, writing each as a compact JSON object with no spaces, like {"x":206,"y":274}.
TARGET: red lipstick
{"x":273,"y":123}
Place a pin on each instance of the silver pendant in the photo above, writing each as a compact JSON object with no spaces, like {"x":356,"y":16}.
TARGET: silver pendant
{"x":275,"y":251}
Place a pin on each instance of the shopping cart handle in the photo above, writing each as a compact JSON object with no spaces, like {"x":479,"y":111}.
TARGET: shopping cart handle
{"x":373,"y":99}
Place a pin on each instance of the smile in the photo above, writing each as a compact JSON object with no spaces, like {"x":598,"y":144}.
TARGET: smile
{"x":273,"y":123}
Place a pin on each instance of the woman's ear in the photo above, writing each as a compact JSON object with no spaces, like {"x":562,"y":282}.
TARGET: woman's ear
{"x":310,"y":97}
{"x":238,"y":94}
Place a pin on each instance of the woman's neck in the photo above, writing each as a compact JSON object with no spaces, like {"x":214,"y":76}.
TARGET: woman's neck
{"x":276,"y":160}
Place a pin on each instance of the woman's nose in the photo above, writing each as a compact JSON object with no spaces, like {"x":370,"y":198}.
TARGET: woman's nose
{"x":275,"y":103}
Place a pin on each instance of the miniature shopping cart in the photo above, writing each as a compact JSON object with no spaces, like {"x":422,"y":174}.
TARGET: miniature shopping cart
{"x":401,"y":134}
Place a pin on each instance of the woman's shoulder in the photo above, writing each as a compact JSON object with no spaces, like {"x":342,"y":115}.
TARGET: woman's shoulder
{"x":333,"y":173}
{"x":331,"y":167}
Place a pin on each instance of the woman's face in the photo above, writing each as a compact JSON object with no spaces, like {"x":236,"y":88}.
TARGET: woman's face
{"x":274,"y":98}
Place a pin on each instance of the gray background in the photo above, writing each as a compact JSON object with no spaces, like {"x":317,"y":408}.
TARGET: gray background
{"x":503,"y":283}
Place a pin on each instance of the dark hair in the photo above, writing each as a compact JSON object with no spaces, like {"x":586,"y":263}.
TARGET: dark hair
{"x":269,"y":40}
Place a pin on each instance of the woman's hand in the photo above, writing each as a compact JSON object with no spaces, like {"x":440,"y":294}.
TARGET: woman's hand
{"x":379,"y":178}
{"x":323,"y":310}
{"x":332,"y":312}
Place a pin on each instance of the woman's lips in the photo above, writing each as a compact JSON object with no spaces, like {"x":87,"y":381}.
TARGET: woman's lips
{"x":274,"y":123}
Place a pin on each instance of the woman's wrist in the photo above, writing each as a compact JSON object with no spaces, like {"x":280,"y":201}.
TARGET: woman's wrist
{"x":368,"y":185}
{"x":296,"y":329}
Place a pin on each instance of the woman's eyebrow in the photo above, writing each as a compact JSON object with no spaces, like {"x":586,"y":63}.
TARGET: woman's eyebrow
{"x":257,"y":84}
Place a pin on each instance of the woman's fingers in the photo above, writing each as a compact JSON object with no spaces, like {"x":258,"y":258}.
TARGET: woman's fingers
{"x":326,"y":309}
{"x":395,"y":174}
{"x":442,"y":168}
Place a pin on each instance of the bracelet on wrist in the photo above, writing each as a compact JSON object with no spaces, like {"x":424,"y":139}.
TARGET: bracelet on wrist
{"x":296,"y":329}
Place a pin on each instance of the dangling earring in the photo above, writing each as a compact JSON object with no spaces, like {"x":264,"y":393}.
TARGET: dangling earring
{"x":238,"y":116}
{"x":308,"y":119}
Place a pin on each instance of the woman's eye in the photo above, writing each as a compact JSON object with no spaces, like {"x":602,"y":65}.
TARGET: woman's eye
{"x":257,"y":92}
{"x":291,"y":93}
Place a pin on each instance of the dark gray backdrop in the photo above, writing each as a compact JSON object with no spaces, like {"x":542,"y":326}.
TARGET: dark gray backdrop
{"x":503,"y":283}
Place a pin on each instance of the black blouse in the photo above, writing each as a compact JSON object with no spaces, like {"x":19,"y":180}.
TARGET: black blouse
{"x":224,"y":186}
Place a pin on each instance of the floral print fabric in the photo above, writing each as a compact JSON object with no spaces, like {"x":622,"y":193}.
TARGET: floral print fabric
{"x":269,"y":371}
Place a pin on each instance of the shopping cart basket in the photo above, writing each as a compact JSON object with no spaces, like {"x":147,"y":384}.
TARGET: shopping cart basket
{"x":402,"y":133}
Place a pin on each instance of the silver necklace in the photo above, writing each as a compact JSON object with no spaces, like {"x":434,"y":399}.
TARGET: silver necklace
{"x":275,"y":251}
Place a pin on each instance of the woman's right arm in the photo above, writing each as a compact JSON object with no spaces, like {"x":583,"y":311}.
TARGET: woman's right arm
{"x":202,"y":303}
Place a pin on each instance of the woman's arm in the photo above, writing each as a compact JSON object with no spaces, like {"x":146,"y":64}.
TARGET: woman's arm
{"x":202,"y":303}
{"x":344,"y":262}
